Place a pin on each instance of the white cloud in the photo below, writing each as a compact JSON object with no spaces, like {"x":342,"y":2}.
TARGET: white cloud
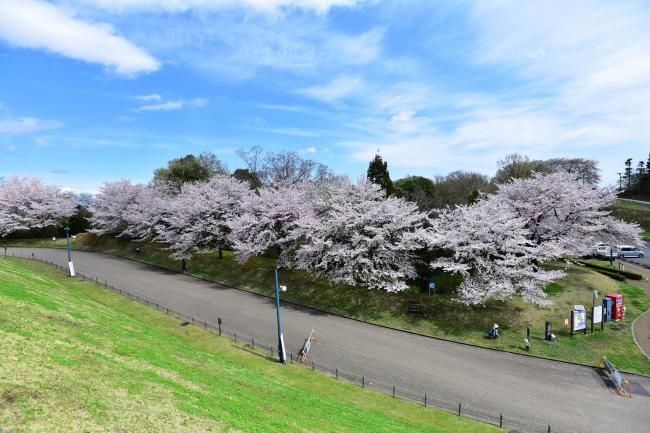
{"x":356,"y":49}
{"x":163,"y":106}
{"x":572,"y":80}
{"x":151,"y":97}
{"x":270,"y":6}
{"x":10,"y":149}
{"x":338,"y":89}
{"x":174,"y":105}
{"x":26,"y":125}
{"x":239,"y":44}
{"x":289,"y":131}
{"x":197,"y":102}
{"x":41,"y":25}
{"x":291,"y":108}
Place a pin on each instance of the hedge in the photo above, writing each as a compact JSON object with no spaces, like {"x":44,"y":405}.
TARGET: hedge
{"x":607,"y":270}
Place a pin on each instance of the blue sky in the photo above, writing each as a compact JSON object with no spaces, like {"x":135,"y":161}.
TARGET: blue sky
{"x":96,"y":90}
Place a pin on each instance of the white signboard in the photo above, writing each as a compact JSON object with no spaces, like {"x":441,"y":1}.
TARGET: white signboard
{"x":579,"y":319}
{"x":598,"y":314}
{"x":71,"y":268}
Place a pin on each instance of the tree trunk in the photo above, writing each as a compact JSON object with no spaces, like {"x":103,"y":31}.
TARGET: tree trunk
{"x":220,"y":252}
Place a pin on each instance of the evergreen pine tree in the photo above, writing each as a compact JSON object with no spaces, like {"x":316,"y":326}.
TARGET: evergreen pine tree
{"x":628,"y":171}
{"x":378,"y":174}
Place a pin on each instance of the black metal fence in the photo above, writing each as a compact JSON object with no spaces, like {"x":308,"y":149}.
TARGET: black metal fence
{"x":427,"y":400}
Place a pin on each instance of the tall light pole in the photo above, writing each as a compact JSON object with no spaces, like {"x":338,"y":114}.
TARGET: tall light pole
{"x":281,"y":353}
{"x":70,"y":264}
{"x":620,"y":181}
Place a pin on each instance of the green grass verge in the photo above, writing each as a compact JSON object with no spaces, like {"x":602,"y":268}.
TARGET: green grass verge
{"x":77,"y":357}
{"x":634,"y":212}
{"x":442,"y":316}
{"x":645,"y":235}
{"x":633,"y":205}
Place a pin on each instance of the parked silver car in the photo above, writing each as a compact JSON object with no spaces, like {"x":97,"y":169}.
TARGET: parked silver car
{"x":627,"y":251}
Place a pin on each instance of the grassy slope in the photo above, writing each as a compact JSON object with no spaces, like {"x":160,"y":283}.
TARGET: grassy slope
{"x":636,"y":212}
{"x":76,"y":357}
{"x":443,"y":317}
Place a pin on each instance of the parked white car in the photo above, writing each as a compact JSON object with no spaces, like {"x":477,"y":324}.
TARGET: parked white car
{"x":629,"y":251}
{"x":603,"y":250}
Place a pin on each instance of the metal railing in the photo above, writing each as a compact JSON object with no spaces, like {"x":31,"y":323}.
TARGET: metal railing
{"x":427,"y":400}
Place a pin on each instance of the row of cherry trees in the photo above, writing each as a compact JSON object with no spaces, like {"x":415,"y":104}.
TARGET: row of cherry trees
{"x":351,"y":232}
{"x":29,"y":203}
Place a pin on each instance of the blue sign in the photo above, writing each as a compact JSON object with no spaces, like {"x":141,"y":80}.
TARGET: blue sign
{"x":432,"y":285}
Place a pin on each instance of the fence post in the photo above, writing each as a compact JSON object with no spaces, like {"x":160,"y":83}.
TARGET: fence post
{"x":235,"y":337}
{"x":313,"y":367}
{"x":459,"y":409}
{"x":290,"y":355}
{"x":363,"y":382}
{"x":393,"y":391}
{"x":549,"y":428}
{"x":253,"y":343}
{"x":500,"y":420}
{"x":337,"y":373}
{"x":425,"y":400}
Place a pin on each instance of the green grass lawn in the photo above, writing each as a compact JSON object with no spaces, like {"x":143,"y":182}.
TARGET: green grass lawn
{"x":442,"y":316}
{"x":633,"y":205}
{"x":75,"y":357}
{"x":635,"y":212}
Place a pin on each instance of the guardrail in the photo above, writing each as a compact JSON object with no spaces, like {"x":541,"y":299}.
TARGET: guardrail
{"x":427,"y":400}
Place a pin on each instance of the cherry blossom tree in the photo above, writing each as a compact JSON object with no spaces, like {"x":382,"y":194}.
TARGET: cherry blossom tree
{"x":111,"y":204}
{"x":147,"y":212}
{"x":565,"y":214}
{"x":198,"y":217}
{"x":29,"y":203}
{"x":489,"y":244}
{"x":355,"y":235}
{"x":500,"y":245}
{"x":269,"y":219}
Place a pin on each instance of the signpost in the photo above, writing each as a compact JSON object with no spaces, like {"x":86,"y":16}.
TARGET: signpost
{"x":597,"y":317}
{"x":432,"y":286}
{"x":578,"y":319}
{"x":593,"y":310}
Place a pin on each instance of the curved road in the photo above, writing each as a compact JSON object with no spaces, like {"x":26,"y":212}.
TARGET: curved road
{"x":568,"y":397}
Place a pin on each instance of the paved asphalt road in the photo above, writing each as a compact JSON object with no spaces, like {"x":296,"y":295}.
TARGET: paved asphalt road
{"x":570,"y":398}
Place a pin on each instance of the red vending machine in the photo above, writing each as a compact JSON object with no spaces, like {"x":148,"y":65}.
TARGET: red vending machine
{"x":617,"y":305}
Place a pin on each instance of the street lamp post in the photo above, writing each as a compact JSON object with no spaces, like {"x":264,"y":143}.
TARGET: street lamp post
{"x":70,"y":264}
{"x":281,"y":352}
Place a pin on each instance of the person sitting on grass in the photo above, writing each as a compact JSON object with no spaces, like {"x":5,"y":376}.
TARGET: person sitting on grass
{"x":494,"y":331}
